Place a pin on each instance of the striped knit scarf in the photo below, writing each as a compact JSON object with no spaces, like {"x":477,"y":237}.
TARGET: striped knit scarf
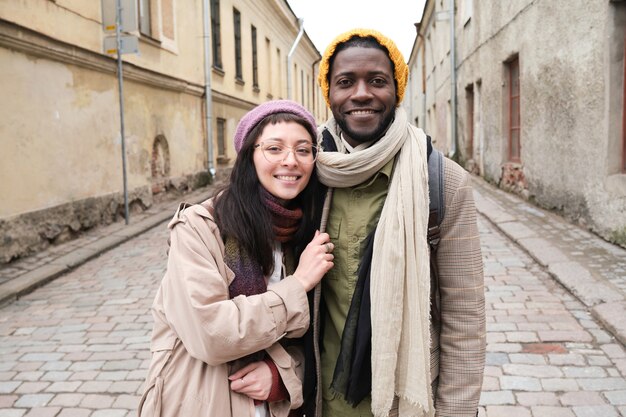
{"x":249,"y":279}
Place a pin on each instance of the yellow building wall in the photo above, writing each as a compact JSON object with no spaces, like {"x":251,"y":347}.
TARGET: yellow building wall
{"x":276,"y":23}
{"x":79,"y":23}
{"x":60,"y":141}
{"x":61,"y":131}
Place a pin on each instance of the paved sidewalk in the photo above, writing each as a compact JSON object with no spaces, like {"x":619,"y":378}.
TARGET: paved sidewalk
{"x":546,"y":355}
{"x":590,"y":268}
{"x":587,"y":266}
{"x":24,"y":275}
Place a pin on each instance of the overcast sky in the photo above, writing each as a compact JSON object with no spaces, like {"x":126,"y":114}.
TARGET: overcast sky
{"x":325,"y":19}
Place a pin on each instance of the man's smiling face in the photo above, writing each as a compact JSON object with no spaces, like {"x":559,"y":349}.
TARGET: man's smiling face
{"x":362,"y":93}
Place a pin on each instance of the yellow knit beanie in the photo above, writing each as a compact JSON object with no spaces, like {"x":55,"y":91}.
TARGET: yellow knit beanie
{"x":401,"y":69}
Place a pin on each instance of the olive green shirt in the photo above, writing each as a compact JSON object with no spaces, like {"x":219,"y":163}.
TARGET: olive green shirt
{"x":354,"y":214}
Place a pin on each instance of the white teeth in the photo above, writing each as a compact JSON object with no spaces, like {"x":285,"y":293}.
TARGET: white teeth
{"x":361,"y":112}
{"x":286,"y":178}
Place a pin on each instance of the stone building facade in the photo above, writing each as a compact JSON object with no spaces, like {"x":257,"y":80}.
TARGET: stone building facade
{"x":60,"y":141}
{"x":251,"y":42}
{"x":535,"y":101}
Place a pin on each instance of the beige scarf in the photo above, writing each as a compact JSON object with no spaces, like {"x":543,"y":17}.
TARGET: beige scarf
{"x":400,"y":274}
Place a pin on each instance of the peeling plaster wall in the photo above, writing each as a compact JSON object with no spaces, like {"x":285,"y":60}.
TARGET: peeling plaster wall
{"x":571,"y":82}
{"x":571,"y":60}
{"x":79,"y":23}
{"x":60,"y":143}
{"x":60,"y":146}
{"x":69,"y":148}
{"x":55,"y":125}
{"x":61,"y":160}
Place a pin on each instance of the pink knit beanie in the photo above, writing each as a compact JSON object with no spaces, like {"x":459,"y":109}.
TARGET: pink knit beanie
{"x":254,"y":116}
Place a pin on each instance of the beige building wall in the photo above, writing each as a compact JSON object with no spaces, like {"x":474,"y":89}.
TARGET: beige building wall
{"x":571,"y":99}
{"x":429,"y":76}
{"x":60,"y":142}
{"x":276,"y":31}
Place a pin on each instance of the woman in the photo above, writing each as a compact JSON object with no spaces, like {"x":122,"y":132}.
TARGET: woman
{"x":230,"y":300}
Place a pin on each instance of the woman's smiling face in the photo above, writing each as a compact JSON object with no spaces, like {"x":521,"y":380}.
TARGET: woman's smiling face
{"x":286,"y":178}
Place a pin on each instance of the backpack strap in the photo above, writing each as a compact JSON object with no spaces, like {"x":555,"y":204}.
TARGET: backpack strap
{"x":435,"y":195}
{"x":328,"y":142}
{"x":435,"y":217}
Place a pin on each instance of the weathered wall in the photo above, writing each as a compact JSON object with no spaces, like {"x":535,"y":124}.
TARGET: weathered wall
{"x":571,"y":57}
{"x":69,"y":147}
{"x":607,"y":200}
{"x":60,"y":146}
{"x":564,"y":83}
{"x":274,"y":22}
{"x":79,"y":23}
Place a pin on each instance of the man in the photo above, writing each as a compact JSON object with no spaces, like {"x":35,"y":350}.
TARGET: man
{"x":379,"y":349}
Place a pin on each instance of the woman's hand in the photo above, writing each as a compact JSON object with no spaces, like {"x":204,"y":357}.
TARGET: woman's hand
{"x":253,"y":380}
{"x":315,"y":261}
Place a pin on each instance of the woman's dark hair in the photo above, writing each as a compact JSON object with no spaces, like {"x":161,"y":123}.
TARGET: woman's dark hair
{"x":361,"y":42}
{"x":240,"y":212}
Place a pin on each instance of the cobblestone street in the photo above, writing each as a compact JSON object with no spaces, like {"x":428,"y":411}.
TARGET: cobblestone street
{"x":384,"y":116}
{"x":78,"y":347}
{"x":546,"y":355}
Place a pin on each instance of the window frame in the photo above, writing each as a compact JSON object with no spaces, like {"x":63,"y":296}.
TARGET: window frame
{"x":255,"y":58}
{"x":514,"y":96}
{"x":216,"y":34}
{"x":469,"y":92}
{"x":220,"y":125}
{"x":144,"y":17}
{"x":238,"y":51}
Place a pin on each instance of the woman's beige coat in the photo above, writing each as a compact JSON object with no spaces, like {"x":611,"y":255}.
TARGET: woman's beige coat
{"x":199,"y":333}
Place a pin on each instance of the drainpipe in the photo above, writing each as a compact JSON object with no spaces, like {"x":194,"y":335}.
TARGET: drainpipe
{"x":291,"y":52}
{"x":453,"y":154}
{"x":207,"y":87}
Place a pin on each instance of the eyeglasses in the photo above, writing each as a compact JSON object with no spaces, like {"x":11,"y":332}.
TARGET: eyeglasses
{"x":305,"y":153}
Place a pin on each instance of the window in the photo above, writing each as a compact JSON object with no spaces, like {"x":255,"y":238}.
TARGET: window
{"x":237,"y":22}
{"x":216,"y":34}
{"x":143,"y":9}
{"x":469,"y":93}
{"x":279,"y":78}
{"x":221,"y":138}
{"x":302,"y":86}
{"x":514,"y":110}
{"x":292,"y":83}
{"x":308,"y":91}
{"x":268,"y":69}
{"x":255,"y":62}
